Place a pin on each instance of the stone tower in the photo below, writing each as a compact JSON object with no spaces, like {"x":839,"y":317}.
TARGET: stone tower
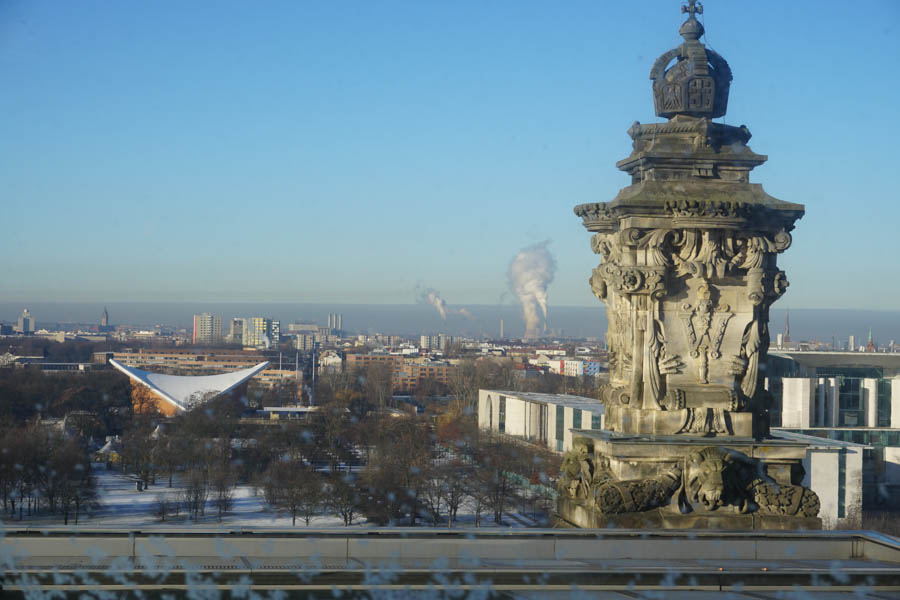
{"x":688,"y":272}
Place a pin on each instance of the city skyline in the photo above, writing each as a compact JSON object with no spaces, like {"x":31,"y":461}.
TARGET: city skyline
{"x":567,"y":321}
{"x":354,"y":154}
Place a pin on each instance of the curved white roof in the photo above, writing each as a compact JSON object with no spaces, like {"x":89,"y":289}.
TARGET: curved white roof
{"x":185,"y":391}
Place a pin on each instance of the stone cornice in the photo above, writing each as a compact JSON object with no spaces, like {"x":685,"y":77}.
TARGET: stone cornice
{"x":710,"y":204}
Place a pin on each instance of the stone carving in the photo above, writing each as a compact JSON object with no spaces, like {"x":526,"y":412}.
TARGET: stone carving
{"x":578,"y":475}
{"x":615,"y":497}
{"x":785,"y":499}
{"x":688,"y":272}
{"x":698,"y":83}
{"x":725,"y":209}
{"x":752,"y":346}
{"x":705,"y":336}
{"x":594,"y":211}
{"x":713,"y":479}
{"x":661,"y":363}
{"x":615,"y":395}
{"x":706,"y":480}
{"x":627,"y":280}
{"x":704,"y":421}
{"x":601,"y":244}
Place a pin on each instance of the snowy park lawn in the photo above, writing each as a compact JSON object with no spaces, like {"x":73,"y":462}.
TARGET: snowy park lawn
{"x":120,"y":505}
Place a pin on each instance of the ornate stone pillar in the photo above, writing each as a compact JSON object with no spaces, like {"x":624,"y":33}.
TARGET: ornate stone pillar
{"x":688,"y":272}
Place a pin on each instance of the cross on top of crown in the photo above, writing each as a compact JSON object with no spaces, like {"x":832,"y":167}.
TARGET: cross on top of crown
{"x":692,"y":8}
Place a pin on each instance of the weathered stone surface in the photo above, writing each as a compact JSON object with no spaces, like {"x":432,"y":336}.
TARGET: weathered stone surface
{"x":624,"y":480}
{"x":688,"y":272}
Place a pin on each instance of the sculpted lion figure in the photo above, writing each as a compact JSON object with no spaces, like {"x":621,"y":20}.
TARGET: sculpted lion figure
{"x":717,"y":477}
{"x":714,"y":478}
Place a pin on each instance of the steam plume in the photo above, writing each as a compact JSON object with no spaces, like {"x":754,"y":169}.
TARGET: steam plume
{"x":433,"y":297}
{"x":530,"y":272}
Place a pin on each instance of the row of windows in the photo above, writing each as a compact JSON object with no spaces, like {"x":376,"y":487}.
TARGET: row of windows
{"x":868,"y":437}
{"x":851,"y":409}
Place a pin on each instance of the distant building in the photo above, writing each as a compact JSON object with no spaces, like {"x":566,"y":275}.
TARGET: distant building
{"x":870,"y":344}
{"x":570,"y":367}
{"x":330,"y":362}
{"x":25,"y":324}
{"x":259,"y":332}
{"x":198,"y":362}
{"x":207,"y":329}
{"x":236,"y":331}
{"x":550,"y":420}
{"x":436,"y":342}
{"x":302,"y":328}
{"x":174,"y":394}
{"x":851,"y":397}
{"x":406,"y":374}
{"x":305,"y":342}
{"x":275,"y":331}
{"x":104,"y":326}
{"x":581,"y":368}
{"x":336,"y":322}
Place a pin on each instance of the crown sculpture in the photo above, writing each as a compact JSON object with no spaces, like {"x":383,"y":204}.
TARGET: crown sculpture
{"x":688,"y":272}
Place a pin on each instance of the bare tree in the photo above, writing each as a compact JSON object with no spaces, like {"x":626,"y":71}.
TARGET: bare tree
{"x":464,"y":388}
{"x":164,"y":505}
{"x":74,"y":484}
{"x":498,"y":460}
{"x":454,"y":476}
{"x":379,"y":384}
{"x":138,"y":449}
{"x":195,"y":493}
{"x":221,"y":482}
{"x":385,"y":485}
{"x":268,"y":483}
{"x":168,"y":454}
{"x":8,"y":469}
{"x":433,"y":494}
{"x":27,"y":460}
{"x":302,"y":494}
{"x":343,"y":497}
{"x":293,"y":486}
{"x":477,"y":490}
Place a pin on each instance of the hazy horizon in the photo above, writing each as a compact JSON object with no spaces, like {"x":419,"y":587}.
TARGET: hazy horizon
{"x":413,"y":319}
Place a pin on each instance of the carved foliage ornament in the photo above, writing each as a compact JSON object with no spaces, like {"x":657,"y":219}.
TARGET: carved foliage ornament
{"x":628,"y":280}
{"x":699,"y":253}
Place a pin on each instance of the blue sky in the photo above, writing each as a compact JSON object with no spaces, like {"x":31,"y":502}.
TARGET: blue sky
{"x":350,"y":151}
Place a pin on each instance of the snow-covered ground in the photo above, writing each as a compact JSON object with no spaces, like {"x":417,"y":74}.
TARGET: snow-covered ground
{"x":122,"y":506}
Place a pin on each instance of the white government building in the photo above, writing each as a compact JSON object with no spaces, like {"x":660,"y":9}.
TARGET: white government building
{"x":849,"y":397}
{"x":545,"y":419}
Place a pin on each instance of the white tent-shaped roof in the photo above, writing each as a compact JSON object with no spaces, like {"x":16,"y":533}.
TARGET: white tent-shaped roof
{"x":185,"y":391}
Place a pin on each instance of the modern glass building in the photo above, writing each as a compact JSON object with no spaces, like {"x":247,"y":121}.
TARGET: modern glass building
{"x":847,"y":397}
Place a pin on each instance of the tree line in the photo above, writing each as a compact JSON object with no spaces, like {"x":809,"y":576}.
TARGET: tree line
{"x":390,"y":470}
{"x":44,"y":471}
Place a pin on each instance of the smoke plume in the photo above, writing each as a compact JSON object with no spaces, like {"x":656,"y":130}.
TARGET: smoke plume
{"x":433,"y":297}
{"x":530,"y":272}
